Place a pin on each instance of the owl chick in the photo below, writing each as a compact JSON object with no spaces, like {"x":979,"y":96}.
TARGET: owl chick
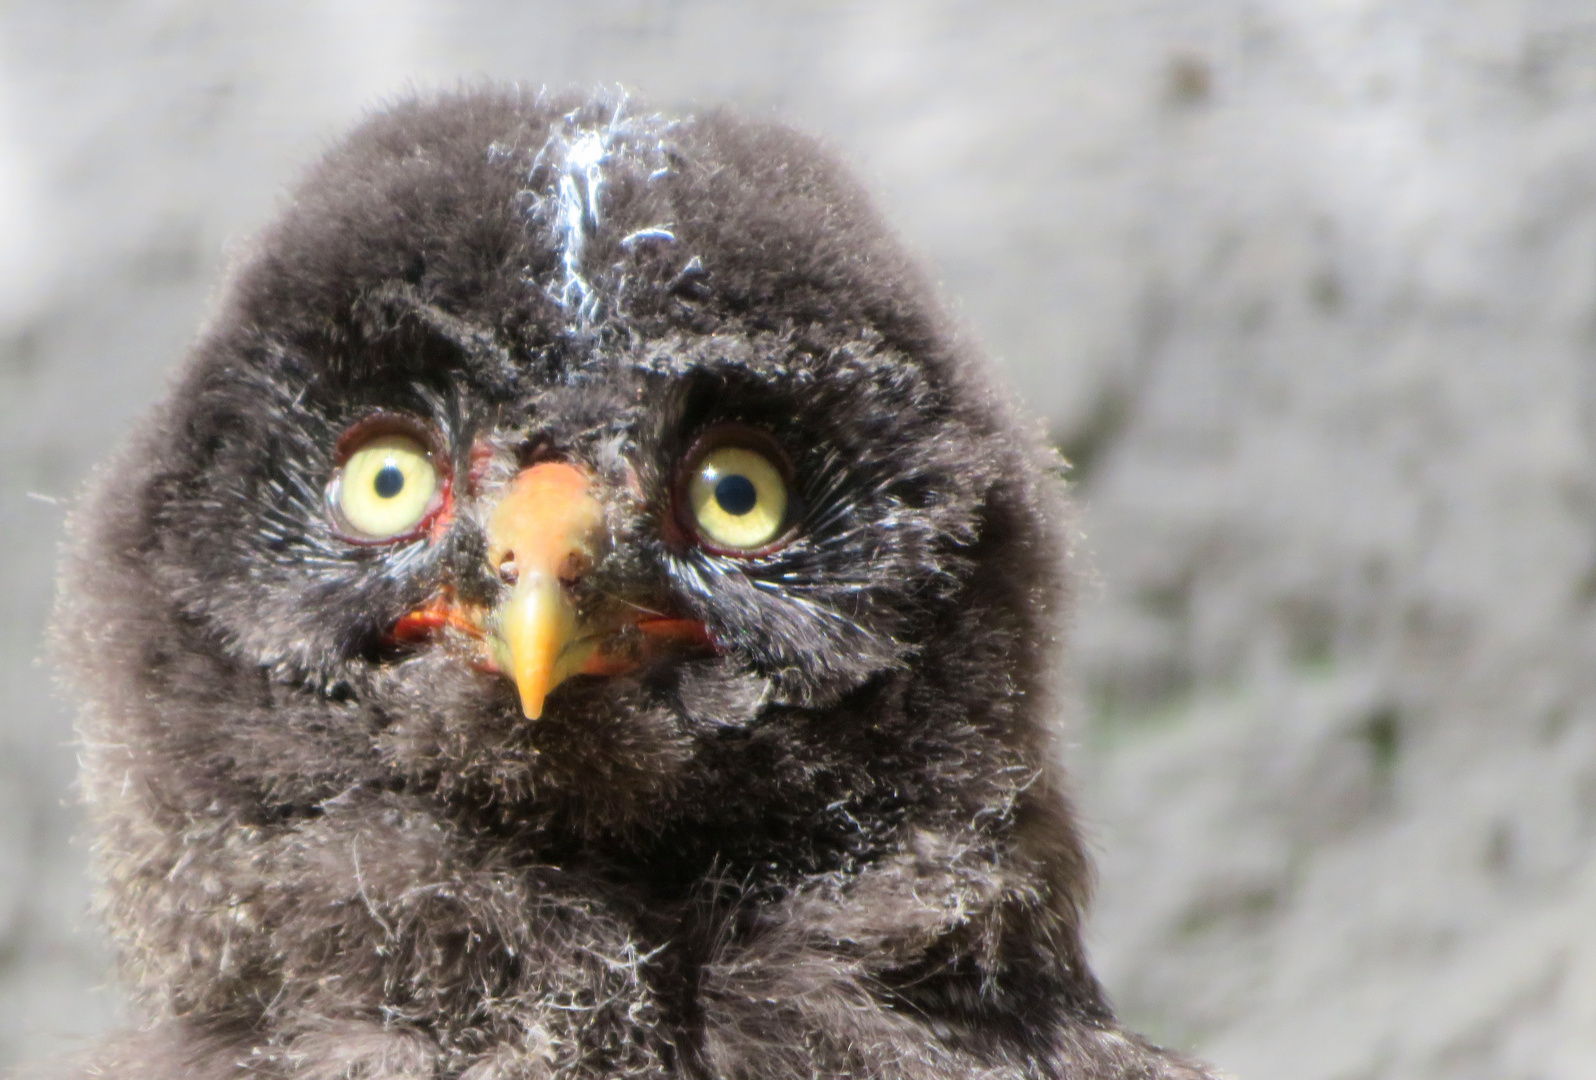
{"x":581,"y":612}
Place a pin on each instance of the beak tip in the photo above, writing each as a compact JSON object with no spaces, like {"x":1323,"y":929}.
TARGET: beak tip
{"x":533,"y":690}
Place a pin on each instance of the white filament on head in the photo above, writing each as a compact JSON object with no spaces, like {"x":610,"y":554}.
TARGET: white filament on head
{"x":581,"y":146}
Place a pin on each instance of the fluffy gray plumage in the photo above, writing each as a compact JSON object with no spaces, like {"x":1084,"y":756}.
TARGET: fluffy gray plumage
{"x":831,"y":843}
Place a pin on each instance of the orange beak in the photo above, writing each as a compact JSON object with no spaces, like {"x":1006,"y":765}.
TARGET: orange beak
{"x":545,"y":533}
{"x":543,"y":536}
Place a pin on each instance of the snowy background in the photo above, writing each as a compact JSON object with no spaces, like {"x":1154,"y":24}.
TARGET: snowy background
{"x":1306,"y":288}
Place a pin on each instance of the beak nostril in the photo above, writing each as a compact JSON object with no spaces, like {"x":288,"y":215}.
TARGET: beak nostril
{"x":509,"y":572}
{"x":576,"y":564}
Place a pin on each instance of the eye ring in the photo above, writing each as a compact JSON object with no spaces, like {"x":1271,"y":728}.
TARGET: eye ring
{"x":731,"y":435}
{"x":362,"y":434}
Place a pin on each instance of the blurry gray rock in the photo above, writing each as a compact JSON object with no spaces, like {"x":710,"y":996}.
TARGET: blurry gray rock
{"x":1305,"y":288}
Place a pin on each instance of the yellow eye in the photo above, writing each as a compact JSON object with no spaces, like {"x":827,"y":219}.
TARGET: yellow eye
{"x":738,"y":499}
{"x":387,"y":487}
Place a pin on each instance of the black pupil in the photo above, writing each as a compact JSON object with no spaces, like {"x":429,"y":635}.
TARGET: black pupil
{"x":390,"y":481}
{"x":736,"y":494}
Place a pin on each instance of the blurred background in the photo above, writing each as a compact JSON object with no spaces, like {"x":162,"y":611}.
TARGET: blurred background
{"x":1306,"y":289}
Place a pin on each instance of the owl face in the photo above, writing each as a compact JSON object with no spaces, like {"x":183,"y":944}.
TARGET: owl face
{"x":548,"y":457}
